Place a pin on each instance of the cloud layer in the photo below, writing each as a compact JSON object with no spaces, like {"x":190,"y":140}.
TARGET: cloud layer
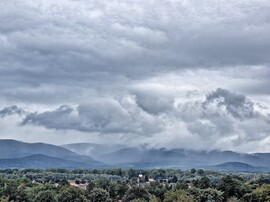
{"x":65,"y":42}
{"x":223,"y":119}
{"x":171,"y":73}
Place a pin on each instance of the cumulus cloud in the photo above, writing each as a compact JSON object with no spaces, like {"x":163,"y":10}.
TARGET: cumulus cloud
{"x":226,"y":120}
{"x":106,"y":116}
{"x":222,"y":120}
{"x":237,"y":105}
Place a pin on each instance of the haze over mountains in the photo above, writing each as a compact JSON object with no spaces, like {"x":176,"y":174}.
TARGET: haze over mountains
{"x":15,"y":154}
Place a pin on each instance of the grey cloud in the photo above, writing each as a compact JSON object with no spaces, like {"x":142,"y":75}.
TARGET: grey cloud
{"x":12,"y":110}
{"x":237,"y":105}
{"x":223,"y":120}
{"x":154,"y":104}
{"x":225,"y":117}
{"x":106,"y":116}
{"x":66,"y":40}
{"x":60,"y":117}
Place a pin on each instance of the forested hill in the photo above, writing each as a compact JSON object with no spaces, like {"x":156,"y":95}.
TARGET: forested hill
{"x":16,"y":154}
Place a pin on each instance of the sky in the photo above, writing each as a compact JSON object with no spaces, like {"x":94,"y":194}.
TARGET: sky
{"x":174,"y":73}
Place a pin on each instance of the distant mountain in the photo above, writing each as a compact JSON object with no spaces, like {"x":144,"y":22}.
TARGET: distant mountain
{"x":80,"y":155}
{"x":39,"y":161}
{"x":178,"y":158}
{"x":168,"y":158}
{"x":265,"y":156}
{"x":16,"y":149}
{"x":92,"y":149}
{"x":10,"y":149}
{"x":238,"y":167}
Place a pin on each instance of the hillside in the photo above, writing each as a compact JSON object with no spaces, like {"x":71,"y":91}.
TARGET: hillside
{"x":39,"y":161}
{"x":13,"y":152}
{"x":178,"y":158}
{"x":238,"y":167}
{"x":92,"y":149}
{"x":11,"y":149}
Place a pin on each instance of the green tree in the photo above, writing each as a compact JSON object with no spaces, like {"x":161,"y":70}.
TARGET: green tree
{"x":136,"y":192}
{"x":46,"y":196}
{"x":181,"y":184}
{"x":231,"y":187}
{"x":32,"y":192}
{"x":174,"y":179}
{"x":202,"y":183}
{"x":91,"y":185}
{"x":200,"y":172}
{"x":193,"y":171}
{"x":157,"y":189}
{"x":21,"y":194}
{"x":263,"y":192}
{"x":153,"y":199}
{"x":117,"y":190}
{"x":10,"y":189}
{"x":206,"y":195}
{"x":71,"y":194}
{"x":178,"y":196}
{"x":99,"y":195}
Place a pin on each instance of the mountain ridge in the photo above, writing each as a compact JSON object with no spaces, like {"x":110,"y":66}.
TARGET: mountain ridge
{"x":40,"y":161}
{"x":13,"y":149}
{"x":134,"y":157}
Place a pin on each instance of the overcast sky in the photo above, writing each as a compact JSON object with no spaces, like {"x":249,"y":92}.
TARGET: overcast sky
{"x":174,"y":73}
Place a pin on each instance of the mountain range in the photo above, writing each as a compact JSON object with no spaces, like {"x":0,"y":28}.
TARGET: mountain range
{"x":16,"y":154}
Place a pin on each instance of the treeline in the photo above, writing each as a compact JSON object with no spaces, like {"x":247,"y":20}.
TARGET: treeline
{"x":128,"y":185}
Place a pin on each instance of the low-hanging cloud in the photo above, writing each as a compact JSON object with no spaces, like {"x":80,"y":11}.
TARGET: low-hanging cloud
{"x":106,"y":116}
{"x":223,"y":120}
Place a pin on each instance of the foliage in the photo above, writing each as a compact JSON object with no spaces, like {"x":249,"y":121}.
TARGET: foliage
{"x":99,"y":195}
{"x":178,"y":196}
{"x":74,"y":194}
{"x":115,"y":184}
{"x":206,"y":195}
{"x":46,"y":196}
{"x":232,"y":187}
{"x":263,"y":193}
{"x":136,"y":192}
{"x":202,"y":183}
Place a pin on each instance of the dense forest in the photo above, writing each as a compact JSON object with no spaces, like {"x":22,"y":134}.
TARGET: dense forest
{"x":132,"y":185}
